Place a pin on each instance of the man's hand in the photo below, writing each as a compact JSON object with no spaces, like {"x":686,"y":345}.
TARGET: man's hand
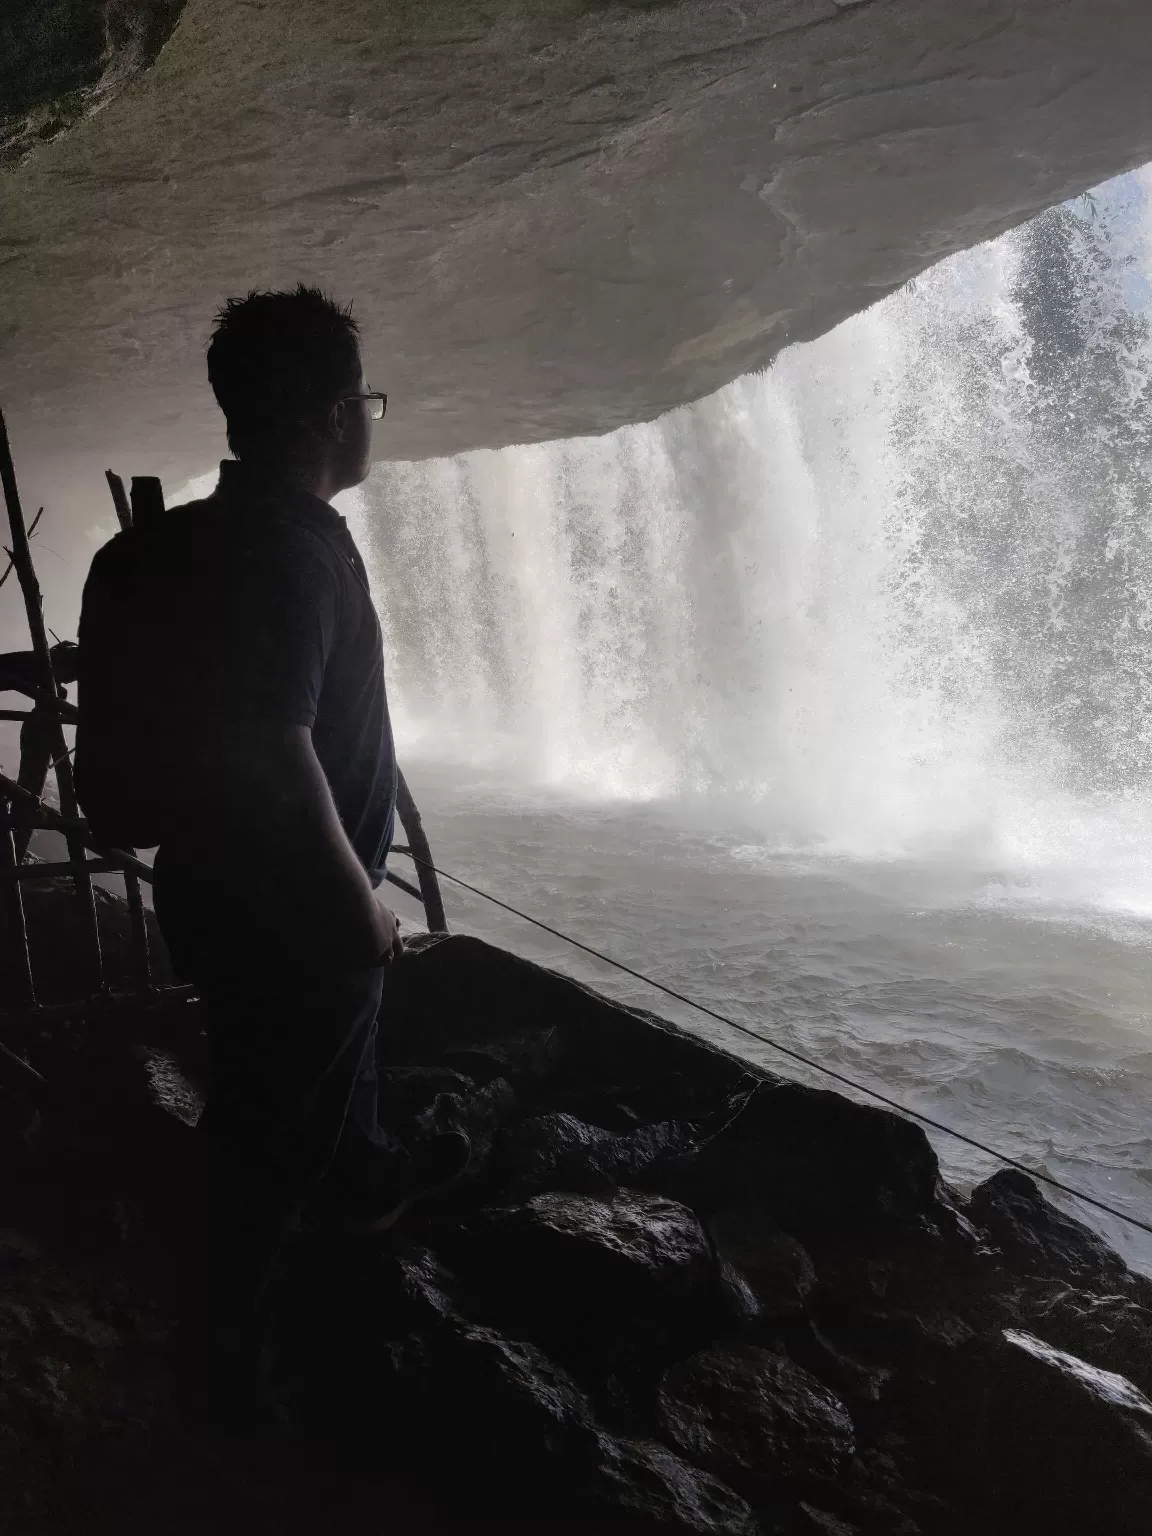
{"x":261,"y":786}
{"x":391,"y":944}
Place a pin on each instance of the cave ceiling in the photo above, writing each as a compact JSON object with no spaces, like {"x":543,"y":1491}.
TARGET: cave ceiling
{"x":553,"y":218}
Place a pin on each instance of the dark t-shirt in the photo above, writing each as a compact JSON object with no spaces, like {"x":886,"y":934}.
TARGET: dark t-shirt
{"x":252,"y":604}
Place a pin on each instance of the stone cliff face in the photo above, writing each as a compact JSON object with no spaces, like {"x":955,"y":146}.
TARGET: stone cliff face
{"x":64,"y":60}
{"x":553,"y":218}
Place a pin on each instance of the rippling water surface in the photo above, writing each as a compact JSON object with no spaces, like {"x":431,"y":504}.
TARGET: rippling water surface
{"x":1003,"y":1011}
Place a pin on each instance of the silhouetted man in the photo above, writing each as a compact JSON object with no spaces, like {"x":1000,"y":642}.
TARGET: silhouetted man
{"x":233,"y":711}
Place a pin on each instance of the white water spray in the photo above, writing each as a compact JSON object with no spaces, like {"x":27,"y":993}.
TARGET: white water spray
{"x":894,"y":594}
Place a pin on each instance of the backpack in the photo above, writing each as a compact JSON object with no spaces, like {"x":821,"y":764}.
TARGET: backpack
{"x":136,"y":674}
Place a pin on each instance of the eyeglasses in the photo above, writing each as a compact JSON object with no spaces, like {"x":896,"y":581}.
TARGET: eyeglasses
{"x":377,"y":403}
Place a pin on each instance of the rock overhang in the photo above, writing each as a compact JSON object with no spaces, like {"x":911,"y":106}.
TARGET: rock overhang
{"x":553,"y":218}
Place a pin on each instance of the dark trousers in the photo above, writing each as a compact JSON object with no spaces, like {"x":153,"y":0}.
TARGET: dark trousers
{"x":290,"y":1124}
{"x":290,"y":1127}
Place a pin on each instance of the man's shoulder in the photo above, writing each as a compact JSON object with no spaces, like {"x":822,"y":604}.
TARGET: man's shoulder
{"x":172,"y":532}
{"x":214,"y":548}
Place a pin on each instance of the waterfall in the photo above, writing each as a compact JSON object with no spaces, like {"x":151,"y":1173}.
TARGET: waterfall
{"x":891,"y":597}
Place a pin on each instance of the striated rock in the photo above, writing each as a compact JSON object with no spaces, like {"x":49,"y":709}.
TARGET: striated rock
{"x":876,"y":1495}
{"x":502,"y":1410}
{"x":416,"y":1289}
{"x":777,"y":1269}
{"x":500,"y":1402}
{"x":1113,"y":1331}
{"x":580,"y":1256}
{"x":755,"y":1417}
{"x":558,"y":1151}
{"x":659,"y":1491}
{"x":1033,"y":1236}
{"x":819,"y":1522}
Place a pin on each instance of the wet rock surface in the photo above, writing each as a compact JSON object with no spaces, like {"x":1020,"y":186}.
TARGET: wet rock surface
{"x":674,"y":1294}
{"x":756,"y":1417}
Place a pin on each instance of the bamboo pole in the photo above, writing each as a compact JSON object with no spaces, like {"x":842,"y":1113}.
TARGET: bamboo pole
{"x":402,"y":884}
{"x":139,"y":921}
{"x":125,"y":514}
{"x":55,"y":822}
{"x":119,"y":500}
{"x":53,"y":870}
{"x":34,"y":609}
{"x":21,"y":958}
{"x":9,"y":1059}
{"x":422,"y":857}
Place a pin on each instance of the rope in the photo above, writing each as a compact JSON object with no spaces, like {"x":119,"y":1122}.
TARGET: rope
{"x":786,"y":1050}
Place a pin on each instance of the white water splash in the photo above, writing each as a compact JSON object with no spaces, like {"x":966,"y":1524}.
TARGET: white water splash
{"x":894,"y":594}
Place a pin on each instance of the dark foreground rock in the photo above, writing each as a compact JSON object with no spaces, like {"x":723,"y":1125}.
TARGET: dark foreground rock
{"x":675,"y":1294}
{"x":755,"y":1417}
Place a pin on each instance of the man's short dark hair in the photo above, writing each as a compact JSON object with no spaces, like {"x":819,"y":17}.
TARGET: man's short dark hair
{"x":274,"y":360}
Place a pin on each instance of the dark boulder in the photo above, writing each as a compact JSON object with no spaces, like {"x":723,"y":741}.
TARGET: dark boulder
{"x":21,"y":1133}
{"x":777,"y":1269}
{"x":824,"y":1168}
{"x":755,"y":1417}
{"x":615,"y":1287}
{"x":459,"y":998}
{"x":1111,"y":1330}
{"x":406,"y":1091}
{"x":577,"y":1257}
{"x":493,"y":1401}
{"x":1037,"y":1239}
{"x":659,"y":1491}
{"x":481,"y":1113}
{"x":859,"y":1386}
{"x":558,"y":1151}
{"x":416,"y":1290}
{"x":1026,"y":1438}
{"x":502,"y":1413}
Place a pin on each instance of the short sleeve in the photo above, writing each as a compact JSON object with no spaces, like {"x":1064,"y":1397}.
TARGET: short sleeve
{"x":280,"y":610}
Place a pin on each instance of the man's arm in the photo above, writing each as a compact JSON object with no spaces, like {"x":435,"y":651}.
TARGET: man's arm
{"x":262,"y":786}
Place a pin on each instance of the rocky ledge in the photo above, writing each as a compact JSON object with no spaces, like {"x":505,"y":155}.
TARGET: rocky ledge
{"x":676,"y":1294}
